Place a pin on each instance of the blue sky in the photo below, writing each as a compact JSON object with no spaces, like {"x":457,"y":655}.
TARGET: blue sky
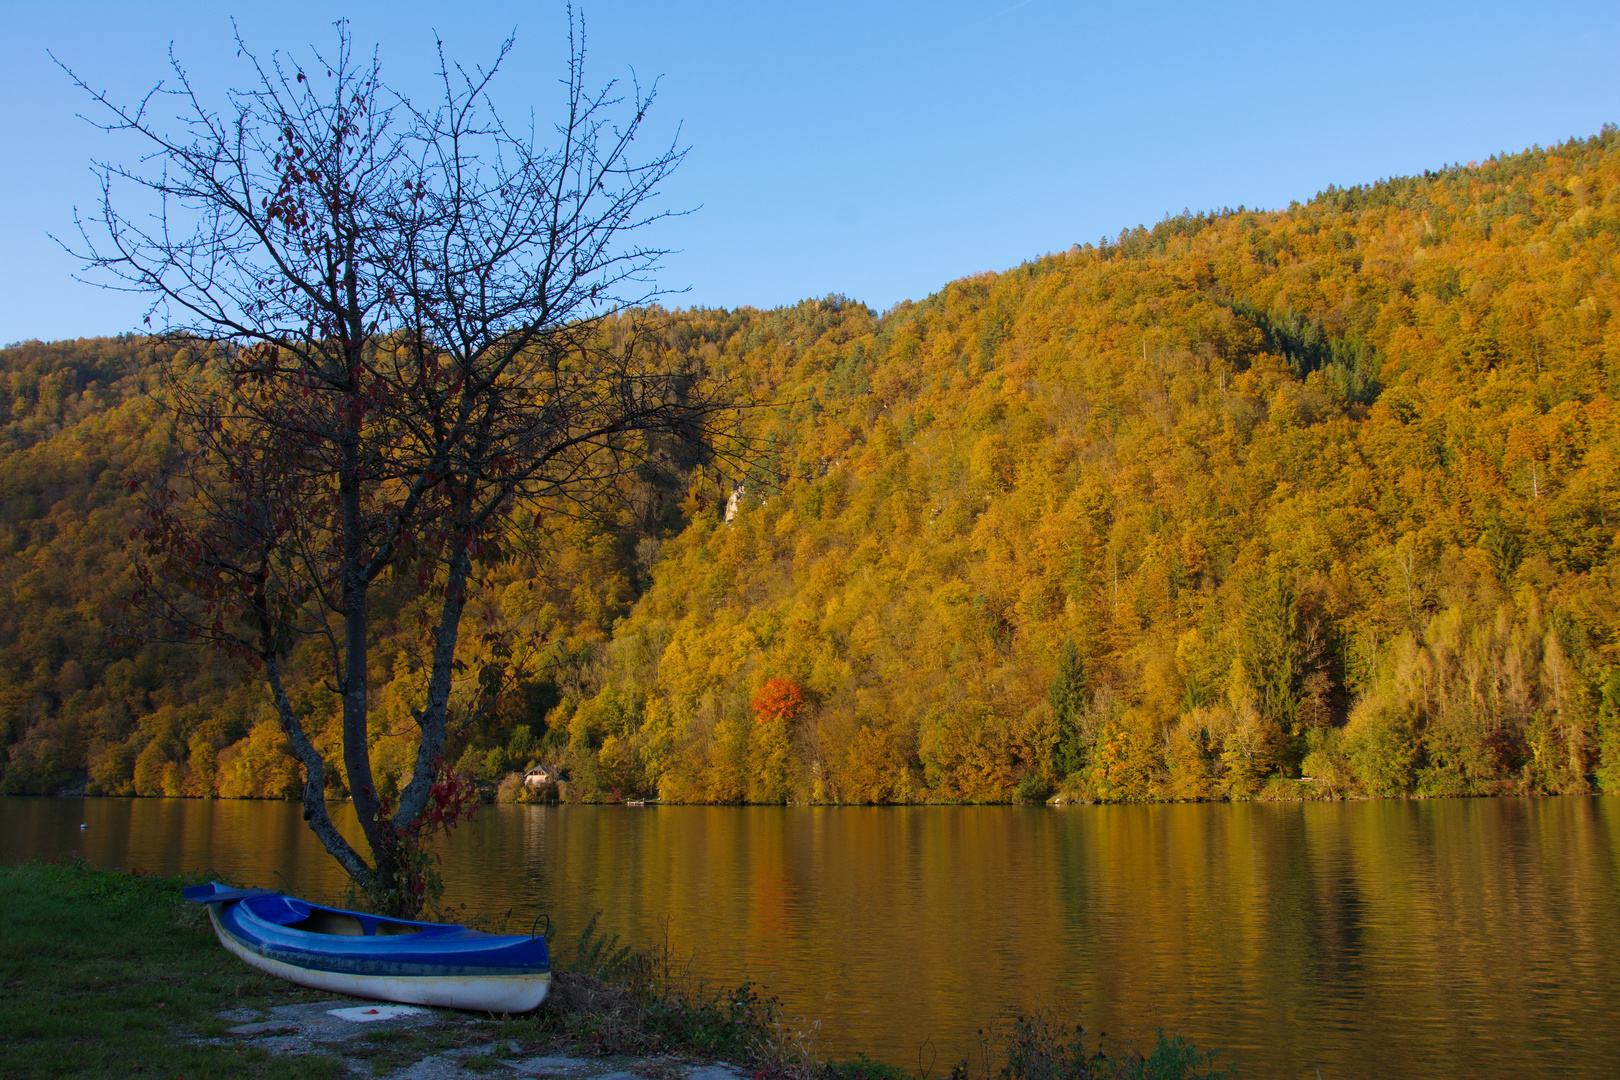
{"x":875,"y":150}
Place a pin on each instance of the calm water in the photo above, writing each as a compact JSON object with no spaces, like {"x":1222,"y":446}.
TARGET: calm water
{"x":1452,"y":938}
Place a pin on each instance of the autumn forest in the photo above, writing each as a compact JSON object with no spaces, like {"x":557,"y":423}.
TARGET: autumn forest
{"x":1315,"y":503}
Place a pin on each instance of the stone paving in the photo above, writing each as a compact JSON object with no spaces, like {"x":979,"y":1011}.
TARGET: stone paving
{"x":350,"y":1031}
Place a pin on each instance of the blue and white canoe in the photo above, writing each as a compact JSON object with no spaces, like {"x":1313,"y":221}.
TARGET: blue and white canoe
{"x":350,"y":952}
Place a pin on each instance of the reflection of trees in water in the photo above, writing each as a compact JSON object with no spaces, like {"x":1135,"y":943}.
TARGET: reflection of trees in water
{"x":1457,"y":937}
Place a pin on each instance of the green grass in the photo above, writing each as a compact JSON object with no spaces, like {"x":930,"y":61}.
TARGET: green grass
{"x":103,"y":973}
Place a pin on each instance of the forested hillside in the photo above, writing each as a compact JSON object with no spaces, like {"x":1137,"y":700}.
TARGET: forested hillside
{"x":1285,"y":505}
{"x":84,"y":704}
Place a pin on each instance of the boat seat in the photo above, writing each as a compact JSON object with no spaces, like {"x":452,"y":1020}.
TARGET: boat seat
{"x":392,"y":929}
{"x":321,"y":921}
{"x":343,"y":924}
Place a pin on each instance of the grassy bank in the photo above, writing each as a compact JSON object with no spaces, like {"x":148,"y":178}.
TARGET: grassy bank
{"x":106,"y":973}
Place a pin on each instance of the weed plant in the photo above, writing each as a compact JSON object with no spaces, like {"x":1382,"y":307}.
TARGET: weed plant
{"x":614,"y":998}
{"x":1039,"y":1047}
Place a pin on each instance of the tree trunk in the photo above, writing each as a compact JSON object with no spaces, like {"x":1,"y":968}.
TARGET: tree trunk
{"x":432,"y":719}
{"x":320,"y":822}
{"x":356,"y":735}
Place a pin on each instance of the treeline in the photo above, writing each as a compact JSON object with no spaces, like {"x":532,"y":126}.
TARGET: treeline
{"x":1300,"y":504}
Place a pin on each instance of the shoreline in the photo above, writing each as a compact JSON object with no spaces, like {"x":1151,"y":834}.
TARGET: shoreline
{"x":1055,"y":802}
{"x":122,"y":976}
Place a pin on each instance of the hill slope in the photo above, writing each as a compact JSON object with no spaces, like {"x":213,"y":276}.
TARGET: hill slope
{"x":1244,"y":498}
{"x":1330,"y":490}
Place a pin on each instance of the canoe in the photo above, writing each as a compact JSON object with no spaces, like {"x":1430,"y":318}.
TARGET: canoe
{"x":351,"y":952}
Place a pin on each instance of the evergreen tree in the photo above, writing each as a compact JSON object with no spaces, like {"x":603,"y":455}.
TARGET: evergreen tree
{"x":1067,"y":696}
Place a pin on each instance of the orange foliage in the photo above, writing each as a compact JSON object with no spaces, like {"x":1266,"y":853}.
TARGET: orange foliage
{"x":780,"y":699}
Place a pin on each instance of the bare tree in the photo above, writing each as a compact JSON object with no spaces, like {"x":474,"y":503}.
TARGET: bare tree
{"x":408,"y":338}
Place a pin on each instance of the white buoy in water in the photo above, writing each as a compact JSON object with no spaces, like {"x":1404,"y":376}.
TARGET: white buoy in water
{"x":84,"y":826}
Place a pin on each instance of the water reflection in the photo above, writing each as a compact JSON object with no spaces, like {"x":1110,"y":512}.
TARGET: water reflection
{"x":1474,"y":937}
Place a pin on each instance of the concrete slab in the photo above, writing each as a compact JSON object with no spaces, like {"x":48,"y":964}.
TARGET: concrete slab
{"x":324,"y":1021}
{"x":367,"y":1014}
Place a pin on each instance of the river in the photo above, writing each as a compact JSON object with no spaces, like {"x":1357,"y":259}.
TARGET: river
{"x":1439,"y":938}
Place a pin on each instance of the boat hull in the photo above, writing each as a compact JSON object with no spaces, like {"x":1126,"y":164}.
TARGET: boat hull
{"x":383,"y":959}
{"x":479,"y":993}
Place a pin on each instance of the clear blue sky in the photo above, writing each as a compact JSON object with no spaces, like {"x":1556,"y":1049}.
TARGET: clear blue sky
{"x":874,"y":149}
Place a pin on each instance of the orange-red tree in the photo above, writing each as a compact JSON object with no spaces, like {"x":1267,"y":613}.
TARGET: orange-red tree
{"x":770,"y":744}
{"x":779,"y":699}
